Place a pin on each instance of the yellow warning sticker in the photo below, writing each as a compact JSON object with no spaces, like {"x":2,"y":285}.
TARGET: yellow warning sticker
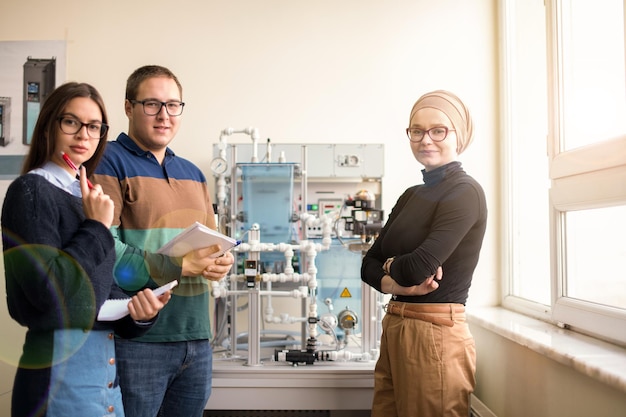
{"x":345,"y":293}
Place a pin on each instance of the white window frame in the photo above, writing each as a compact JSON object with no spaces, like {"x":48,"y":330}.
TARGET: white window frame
{"x":511,"y":206}
{"x":574,"y":186}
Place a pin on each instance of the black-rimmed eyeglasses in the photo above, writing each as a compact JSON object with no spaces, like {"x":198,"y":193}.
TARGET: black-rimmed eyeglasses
{"x":153,"y":107}
{"x":71,"y":126}
{"x":437,"y":134}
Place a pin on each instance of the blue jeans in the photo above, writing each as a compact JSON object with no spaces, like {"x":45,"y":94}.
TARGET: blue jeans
{"x":169,"y":379}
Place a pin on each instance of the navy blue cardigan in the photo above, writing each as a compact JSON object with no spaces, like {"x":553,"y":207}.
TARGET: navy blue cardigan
{"x":58,"y":264}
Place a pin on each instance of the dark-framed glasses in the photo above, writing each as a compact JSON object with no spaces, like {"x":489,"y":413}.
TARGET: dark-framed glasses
{"x":153,"y":107}
{"x":71,"y":126}
{"x":437,"y":134}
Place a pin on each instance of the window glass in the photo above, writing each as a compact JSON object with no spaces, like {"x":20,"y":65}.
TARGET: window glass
{"x":594,"y":85}
{"x":596,"y":255}
{"x":528,"y":181}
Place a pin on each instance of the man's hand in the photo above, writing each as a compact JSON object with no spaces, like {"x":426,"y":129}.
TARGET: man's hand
{"x":218,"y":267}
{"x":200,"y":262}
{"x":196,"y":261}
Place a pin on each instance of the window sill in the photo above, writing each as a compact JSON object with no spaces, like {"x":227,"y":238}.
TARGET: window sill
{"x":597,"y":359}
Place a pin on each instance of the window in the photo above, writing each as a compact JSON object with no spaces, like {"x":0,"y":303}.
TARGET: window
{"x":591,"y":70}
{"x":573,"y":236}
{"x":598,"y":235}
{"x":525,"y":157}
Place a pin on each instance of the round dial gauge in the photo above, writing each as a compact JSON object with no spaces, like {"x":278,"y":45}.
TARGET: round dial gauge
{"x":219,"y":165}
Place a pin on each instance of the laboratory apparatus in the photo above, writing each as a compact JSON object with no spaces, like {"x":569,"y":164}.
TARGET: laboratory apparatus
{"x":306,"y":214}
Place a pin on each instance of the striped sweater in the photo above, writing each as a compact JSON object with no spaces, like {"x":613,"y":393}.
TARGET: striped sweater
{"x":154,"y":202}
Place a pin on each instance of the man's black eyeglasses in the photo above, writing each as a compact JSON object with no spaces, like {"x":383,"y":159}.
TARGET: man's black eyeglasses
{"x":153,"y":107}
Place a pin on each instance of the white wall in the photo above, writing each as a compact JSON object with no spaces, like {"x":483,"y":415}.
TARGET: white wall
{"x":515,"y":381}
{"x":299,"y":71}
{"x":303,"y":72}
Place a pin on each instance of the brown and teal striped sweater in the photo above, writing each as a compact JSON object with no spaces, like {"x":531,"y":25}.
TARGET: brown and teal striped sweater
{"x":153,"y":203}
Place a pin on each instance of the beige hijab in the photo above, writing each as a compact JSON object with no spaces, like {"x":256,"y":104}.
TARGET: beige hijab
{"x":456,"y":111}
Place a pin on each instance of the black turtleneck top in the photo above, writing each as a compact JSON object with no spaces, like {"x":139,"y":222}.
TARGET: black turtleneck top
{"x":441,"y":222}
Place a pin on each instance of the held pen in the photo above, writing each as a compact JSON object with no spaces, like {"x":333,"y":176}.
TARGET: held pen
{"x":69,"y":163}
{"x":223,"y":252}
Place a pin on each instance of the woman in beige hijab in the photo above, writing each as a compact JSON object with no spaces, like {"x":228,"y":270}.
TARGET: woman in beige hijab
{"x":425,"y":257}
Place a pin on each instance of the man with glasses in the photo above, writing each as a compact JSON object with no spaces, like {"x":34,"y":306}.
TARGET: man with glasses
{"x":158,"y":194}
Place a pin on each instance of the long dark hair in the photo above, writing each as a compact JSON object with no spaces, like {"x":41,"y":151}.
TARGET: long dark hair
{"x":46,"y":129}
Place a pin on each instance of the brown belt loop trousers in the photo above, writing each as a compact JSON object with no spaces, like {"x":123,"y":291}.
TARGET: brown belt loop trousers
{"x":443,"y":314}
{"x":427,"y":362}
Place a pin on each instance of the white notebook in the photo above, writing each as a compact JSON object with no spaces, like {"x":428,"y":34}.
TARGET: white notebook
{"x":195,"y":237}
{"x":115,"y":309}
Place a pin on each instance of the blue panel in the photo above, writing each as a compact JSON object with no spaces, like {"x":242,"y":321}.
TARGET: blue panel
{"x":267,"y":199}
{"x":339,"y":278}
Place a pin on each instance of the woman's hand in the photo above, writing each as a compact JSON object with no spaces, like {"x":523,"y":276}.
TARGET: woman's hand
{"x":96,"y":205}
{"x":144,"y":305}
{"x":387,"y":265}
{"x":429,"y":285}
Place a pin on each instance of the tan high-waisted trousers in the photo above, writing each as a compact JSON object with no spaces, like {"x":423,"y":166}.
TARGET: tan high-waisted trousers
{"x":427,"y":364}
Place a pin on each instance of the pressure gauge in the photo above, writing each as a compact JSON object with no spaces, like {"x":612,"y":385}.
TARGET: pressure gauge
{"x":219,"y":165}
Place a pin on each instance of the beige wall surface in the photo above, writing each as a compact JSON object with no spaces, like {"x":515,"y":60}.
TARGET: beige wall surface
{"x":515,"y":381}
{"x":312,"y":72}
{"x":300,"y":72}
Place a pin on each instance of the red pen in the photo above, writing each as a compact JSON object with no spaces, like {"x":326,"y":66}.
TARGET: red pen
{"x":69,"y":162}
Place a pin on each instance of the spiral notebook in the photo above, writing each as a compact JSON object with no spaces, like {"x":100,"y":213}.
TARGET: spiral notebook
{"x":115,"y":309}
{"x":195,"y":237}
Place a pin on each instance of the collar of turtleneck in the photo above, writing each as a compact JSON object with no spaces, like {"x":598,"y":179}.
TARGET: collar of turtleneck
{"x":437,"y":175}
